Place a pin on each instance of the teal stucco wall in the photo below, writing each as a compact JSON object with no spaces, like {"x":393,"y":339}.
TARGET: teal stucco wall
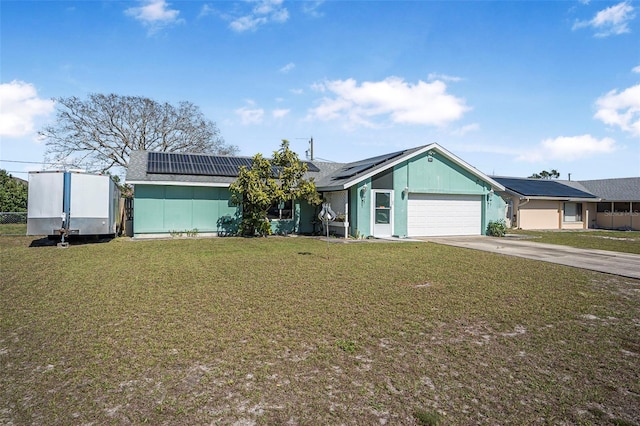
{"x":301,"y":223}
{"x":433,"y":173}
{"x":360,"y":209}
{"x":496,"y":209}
{"x":166,"y":208}
{"x":438,"y":176}
{"x":419,"y":175}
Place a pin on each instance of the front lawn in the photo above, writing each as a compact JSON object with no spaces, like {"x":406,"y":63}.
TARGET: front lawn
{"x":13,"y":229}
{"x":622,"y":241}
{"x":298,"y":331}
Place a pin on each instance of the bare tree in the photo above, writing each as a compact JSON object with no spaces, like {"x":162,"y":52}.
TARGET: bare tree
{"x":99,"y":133}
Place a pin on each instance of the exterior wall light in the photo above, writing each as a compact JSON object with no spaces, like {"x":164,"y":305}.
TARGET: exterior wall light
{"x":489,"y":195}
{"x":363,"y":191}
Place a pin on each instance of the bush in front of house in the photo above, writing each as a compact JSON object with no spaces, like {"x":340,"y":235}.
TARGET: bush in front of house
{"x":497,"y":228}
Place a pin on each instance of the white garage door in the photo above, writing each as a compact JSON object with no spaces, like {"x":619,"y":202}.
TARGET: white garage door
{"x":431,"y":215}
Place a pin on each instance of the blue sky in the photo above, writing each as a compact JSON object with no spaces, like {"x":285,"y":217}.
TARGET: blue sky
{"x":511,"y":87}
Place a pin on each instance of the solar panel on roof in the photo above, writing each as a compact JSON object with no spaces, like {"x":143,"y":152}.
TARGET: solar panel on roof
{"x":352,"y":171}
{"x":240,"y":161}
{"x":198,"y":164}
{"x":220,"y":161}
{"x":230,"y":171}
{"x":364,"y":165}
{"x":202,"y":164}
{"x":158,"y":162}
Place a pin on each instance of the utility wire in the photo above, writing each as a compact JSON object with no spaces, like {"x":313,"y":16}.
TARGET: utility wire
{"x":27,"y":162}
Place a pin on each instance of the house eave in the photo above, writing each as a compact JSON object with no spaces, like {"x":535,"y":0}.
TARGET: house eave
{"x":547,"y":198}
{"x":431,"y":147}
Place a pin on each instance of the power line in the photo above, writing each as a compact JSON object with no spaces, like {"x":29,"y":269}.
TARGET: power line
{"x":28,"y":162}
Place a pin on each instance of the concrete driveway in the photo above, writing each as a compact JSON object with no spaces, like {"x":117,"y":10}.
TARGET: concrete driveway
{"x":610,"y":262}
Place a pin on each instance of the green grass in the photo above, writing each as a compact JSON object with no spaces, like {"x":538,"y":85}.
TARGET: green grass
{"x":271,"y":331}
{"x":621,"y":241}
{"x":13,"y":229}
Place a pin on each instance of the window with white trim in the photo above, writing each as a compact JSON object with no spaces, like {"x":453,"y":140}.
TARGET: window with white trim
{"x":572,"y":212}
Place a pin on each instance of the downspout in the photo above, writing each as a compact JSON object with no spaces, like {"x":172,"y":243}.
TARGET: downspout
{"x":520,"y":204}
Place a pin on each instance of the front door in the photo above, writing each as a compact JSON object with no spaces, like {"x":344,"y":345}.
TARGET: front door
{"x":382,"y":212}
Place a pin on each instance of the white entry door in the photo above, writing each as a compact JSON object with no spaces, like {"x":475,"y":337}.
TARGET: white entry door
{"x":382,"y":212}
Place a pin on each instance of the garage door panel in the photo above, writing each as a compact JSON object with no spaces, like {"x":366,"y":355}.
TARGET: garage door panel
{"x":441,"y":215}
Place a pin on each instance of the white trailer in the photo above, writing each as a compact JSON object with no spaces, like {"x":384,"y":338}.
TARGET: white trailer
{"x":72,"y":203}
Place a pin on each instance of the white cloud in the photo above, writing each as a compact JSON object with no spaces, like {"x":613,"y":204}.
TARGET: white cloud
{"x":636,"y":69}
{"x":290,"y":66}
{"x":392,"y":98}
{"x":466,"y":129}
{"x":19,"y":106}
{"x":444,"y":77}
{"x":613,"y":20}
{"x":207,"y":10}
{"x":568,"y":148}
{"x":297,"y":91}
{"x":250,"y":115}
{"x":279,"y":113}
{"x":155,"y":14}
{"x":311,"y":8}
{"x":263,"y":12}
{"x":621,"y":109}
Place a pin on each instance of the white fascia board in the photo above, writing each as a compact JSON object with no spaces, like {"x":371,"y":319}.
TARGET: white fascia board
{"x":399,"y":160}
{"x":573,"y":199}
{"x":173,"y":183}
{"x":332,"y":188}
{"x":431,"y":147}
{"x":585,"y":200}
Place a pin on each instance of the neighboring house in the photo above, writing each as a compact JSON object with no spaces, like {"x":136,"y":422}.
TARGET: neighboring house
{"x":619,"y":205}
{"x":557,"y":204}
{"x":423,"y":191}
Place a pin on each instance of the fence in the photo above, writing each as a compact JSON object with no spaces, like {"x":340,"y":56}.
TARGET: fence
{"x":13,"y":223}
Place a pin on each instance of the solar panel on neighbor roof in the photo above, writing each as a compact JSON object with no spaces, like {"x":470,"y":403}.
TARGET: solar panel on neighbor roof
{"x":542,"y":188}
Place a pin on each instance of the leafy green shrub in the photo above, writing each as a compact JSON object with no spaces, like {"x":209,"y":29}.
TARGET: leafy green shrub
{"x":346,"y":345}
{"x":427,"y":418}
{"x":497,"y":228}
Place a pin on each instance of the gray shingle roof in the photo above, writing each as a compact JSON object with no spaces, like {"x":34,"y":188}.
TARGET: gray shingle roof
{"x":329,"y":177}
{"x":620,"y":189}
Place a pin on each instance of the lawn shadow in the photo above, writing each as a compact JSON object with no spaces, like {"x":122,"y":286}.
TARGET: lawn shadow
{"x":75,"y":240}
